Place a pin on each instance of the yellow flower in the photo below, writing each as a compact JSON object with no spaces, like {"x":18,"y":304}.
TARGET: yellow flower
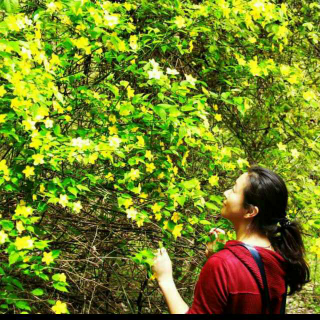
{"x":172,"y":71}
{"x":252,"y":40}
{"x":133,"y":42}
{"x":213,"y":180}
{"x":60,"y":307}
{"x":134,"y":174}
{"x":36,"y":143}
{"x":4,"y":167}
{"x":155,"y":74}
{"x":63,"y":200}
{"x":293,"y":79}
{"x":180,"y":22}
{"x":143,"y":195}
{"x":131,"y":213}
{"x":285,"y":70}
{"x":77,"y":206}
{"x":161,"y":176}
{"x":175,"y":217}
{"x":156,"y":208}
{"x":81,"y":43}
{"x":309,"y":95}
{"x":282,"y":146}
{"x":3,"y":237}
{"x":29,"y":124}
{"x":112,"y":118}
{"x":109,"y":176}
{"x":150,"y":167}
{"x":218,"y":117}
{"x":20,"y":227}
{"x":295,"y":153}
{"x":254,"y":67}
{"x":140,"y":222}
{"x":127,"y":203}
{"x":158,"y":216}
{"x":191,"y":79}
{"x":47,"y":258}
{"x":130,"y":92}
{"x":38,"y":159}
{"x":149,"y":155}
{"x":241,"y":61}
{"x":177,"y":230}
{"x":24,"y":243}
{"x":2,"y":118}
{"x":62,"y":277}
{"x":2,"y":91}
{"x":24,"y":211}
{"x":165,"y":225}
{"x":111,"y":20}
{"x":42,"y":188}
{"x":92,"y":158}
{"x":28,"y":171}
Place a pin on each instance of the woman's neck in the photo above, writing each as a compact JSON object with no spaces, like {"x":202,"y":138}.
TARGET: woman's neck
{"x":252,"y":238}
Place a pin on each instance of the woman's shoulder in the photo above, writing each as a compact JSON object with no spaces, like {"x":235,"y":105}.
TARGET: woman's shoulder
{"x":223,"y":256}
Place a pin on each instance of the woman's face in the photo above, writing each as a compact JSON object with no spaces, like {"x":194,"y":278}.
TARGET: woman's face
{"x":233,"y":205}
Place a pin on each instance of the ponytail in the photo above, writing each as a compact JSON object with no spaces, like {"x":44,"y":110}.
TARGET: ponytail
{"x":268,"y":192}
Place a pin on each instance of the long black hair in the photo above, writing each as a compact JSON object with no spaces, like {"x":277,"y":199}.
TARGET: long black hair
{"x":268,"y":192}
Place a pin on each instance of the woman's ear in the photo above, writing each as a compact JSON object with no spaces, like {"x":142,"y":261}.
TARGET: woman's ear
{"x":252,"y":212}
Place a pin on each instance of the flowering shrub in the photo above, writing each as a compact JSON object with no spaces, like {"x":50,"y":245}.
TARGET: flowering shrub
{"x":121,"y":125}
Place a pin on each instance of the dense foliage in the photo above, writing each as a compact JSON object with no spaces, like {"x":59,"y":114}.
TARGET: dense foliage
{"x":121,"y":125}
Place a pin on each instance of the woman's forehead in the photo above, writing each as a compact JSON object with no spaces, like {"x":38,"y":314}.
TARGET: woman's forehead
{"x":242,"y":179}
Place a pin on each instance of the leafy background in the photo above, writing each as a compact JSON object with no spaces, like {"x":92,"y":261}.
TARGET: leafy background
{"x":122,"y":124}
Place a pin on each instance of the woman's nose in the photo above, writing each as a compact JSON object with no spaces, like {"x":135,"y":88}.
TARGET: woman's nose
{"x":226,"y":193}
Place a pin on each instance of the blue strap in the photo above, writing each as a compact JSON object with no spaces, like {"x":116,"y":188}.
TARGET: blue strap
{"x":284,"y":298}
{"x":265,"y":292}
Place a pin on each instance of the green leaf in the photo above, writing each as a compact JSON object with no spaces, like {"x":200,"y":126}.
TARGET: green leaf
{"x":160,"y":112}
{"x":60,"y":286}
{"x":4,"y":28}
{"x":42,"y":206}
{"x":7,"y":225}
{"x":73,"y":190}
{"x":37,"y":292}
{"x":191,"y":183}
{"x":181,"y":200}
{"x":13,"y":258}
{"x":205,"y":222}
{"x":41,"y":245}
{"x":11,"y":6}
{"x":56,"y":253}
{"x":23,"y":305}
{"x":212,"y":206}
{"x":182,"y":132}
{"x":57,"y":130}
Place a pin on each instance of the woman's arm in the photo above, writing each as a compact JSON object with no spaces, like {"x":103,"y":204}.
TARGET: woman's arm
{"x":162,"y":268}
{"x":173,"y":299}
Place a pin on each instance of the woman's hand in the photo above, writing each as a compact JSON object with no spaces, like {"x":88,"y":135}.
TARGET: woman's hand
{"x":162,"y":267}
{"x":215,"y":231}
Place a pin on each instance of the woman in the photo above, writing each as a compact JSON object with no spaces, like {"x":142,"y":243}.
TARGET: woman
{"x":230,"y":279}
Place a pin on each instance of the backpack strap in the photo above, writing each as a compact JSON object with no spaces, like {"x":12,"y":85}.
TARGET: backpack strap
{"x":284,"y":298}
{"x":265,"y":293}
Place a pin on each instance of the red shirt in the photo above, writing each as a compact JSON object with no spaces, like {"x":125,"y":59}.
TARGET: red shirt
{"x":228,"y":282}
